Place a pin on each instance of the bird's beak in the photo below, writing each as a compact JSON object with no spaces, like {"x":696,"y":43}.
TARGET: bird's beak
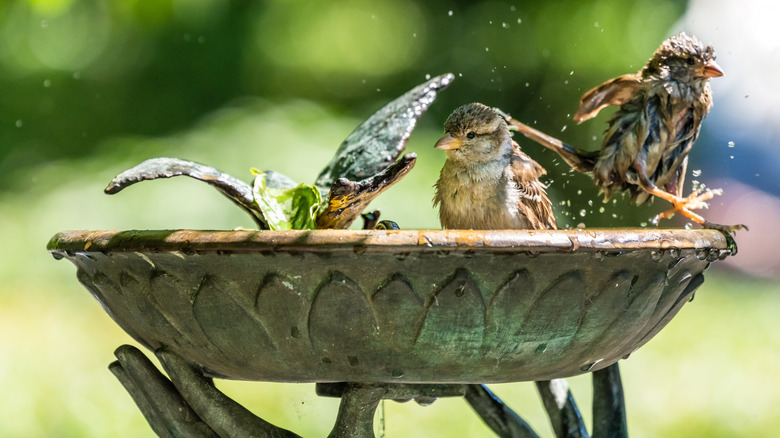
{"x":448,"y":143}
{"x":711,"y":69}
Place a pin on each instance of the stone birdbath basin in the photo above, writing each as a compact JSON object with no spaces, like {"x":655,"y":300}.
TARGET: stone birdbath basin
{"x":393,"y":306}
{"x":377,"y":313}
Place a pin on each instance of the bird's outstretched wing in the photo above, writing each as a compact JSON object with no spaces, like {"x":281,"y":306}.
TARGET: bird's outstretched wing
{"x":615,"y":91}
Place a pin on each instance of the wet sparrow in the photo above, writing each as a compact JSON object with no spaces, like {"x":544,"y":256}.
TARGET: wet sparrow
{"x":646,"y":146}
{"x":487,"y":182}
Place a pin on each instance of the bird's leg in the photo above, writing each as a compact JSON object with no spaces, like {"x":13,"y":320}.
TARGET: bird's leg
{"x":694,"y":201}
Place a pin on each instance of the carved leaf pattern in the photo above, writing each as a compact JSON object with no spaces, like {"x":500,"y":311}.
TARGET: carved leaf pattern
{"x":277,"y":325}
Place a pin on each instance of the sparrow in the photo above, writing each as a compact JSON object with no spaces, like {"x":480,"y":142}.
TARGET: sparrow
{"x":487,"y":182}
{"x":646,"y":145}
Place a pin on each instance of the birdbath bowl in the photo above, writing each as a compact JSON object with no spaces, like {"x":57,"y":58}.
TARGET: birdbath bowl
{"x":393,"y":306}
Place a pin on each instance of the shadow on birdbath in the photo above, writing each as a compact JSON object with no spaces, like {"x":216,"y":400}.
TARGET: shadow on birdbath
{"x":379,"y":313}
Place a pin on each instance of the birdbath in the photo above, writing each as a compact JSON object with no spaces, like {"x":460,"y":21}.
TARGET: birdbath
{"x":382,"y":308}
{"x":378,"y":313}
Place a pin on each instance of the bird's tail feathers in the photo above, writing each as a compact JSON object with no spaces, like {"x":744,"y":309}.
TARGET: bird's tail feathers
{"x":578,"y":159}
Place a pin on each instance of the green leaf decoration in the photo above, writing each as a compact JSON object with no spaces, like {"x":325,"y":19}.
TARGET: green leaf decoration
{"x":286,"y":209}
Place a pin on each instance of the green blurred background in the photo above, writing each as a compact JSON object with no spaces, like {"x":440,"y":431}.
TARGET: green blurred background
{"x":90,"y":88}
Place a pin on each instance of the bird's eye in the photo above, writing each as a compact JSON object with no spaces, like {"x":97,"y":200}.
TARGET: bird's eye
{"x":690,"y":61}
{"x":471,"y":134}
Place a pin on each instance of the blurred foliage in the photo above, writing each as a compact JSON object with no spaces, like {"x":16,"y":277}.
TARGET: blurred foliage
{"x":92,"y":87}
{"x":78,"y":74}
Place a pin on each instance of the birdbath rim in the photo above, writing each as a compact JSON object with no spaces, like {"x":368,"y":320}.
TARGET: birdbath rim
{"x":583,"y":240}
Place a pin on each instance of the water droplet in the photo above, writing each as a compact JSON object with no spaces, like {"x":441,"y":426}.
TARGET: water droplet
{"x":19,"y":123}
{"x":414,"y":35}
{"x":696,"y":172}
{"x":643,"y":224}
{"x":519,"y":20}
{"x":601,"y":209}
{"x":595,"y":24}
{"x":487,"y":49}
{"x":564,"y":128}
{"x":731,"y":144}
{"x":731,"y":156}
{"x":582,"y":212}
{"x":428,"y":77}
{"x":505,"y":25}
{"x":46,"y":83}
{"x":513,"y":8}
{"x":571,"y":73}
{"x":527,"y":84}
{"x":425,"y":401}
{"x":450,"y":13}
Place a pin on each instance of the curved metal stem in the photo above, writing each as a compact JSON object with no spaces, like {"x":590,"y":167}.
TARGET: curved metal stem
{"x":496,"y":415}
{"x":356,"y":412}
{"x":609,"y":408}
{"x":188,"y":404}
{"x":564,"y":415}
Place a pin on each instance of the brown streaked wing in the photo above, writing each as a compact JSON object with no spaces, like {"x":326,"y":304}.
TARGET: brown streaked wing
{"x":615,"y":91}
{"x":534,"y":204}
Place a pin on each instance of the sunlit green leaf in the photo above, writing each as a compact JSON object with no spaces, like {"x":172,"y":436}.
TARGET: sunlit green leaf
{"x":305,"y":203}
{"x":286,"y":209}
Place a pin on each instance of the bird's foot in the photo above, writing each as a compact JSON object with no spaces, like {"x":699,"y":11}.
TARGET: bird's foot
{"x":697,"y":200}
